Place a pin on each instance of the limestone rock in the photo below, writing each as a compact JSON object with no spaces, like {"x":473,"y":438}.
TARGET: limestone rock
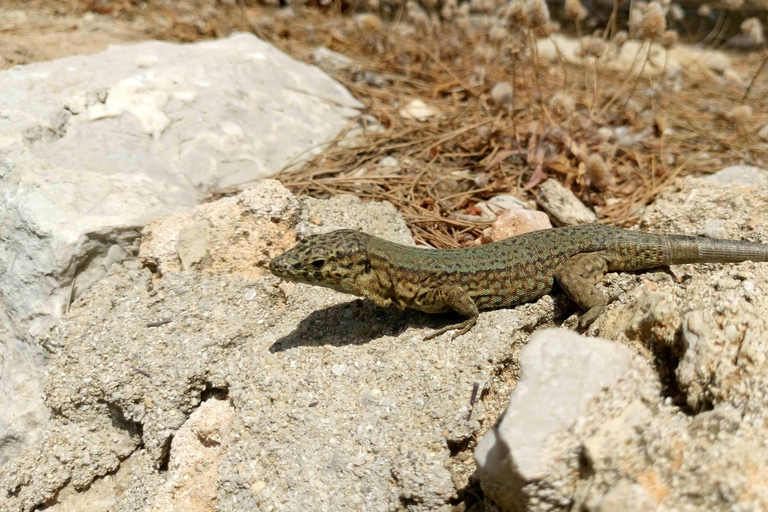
{"x":93,"y":147}
{"x":746,"y":175}
{"x":561,"y":372}
{"x":196,"y":452}
{"x":563,"y":206}
{"x":515,"y":222}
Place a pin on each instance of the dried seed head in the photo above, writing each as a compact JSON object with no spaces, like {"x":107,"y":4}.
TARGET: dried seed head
{"x":621,"y":37}
{"x":485,"y":52}
{"x":734,"y":4}
{"x":537,"y":13}
{"x":592,"y":46}
{"x":676,"y":12}
{"x":562,"y":105}
{"x":502,"y":94}
{"x":669,"y":39}
{"x":599,"y":174}
{"x":654,"y":22}
{"x":740,"y":115}
{"x":753,"y":29}
{"x":368,"y":22}
{"x":514,"y":13}
{"x":633,"y":110}
{"x":705,"y":10}
{"x":448,"y":11}
{"x":497,"y":34}
{"x":483,"y":6}
{"x":636,"y":17}
{"x":574,"y":10}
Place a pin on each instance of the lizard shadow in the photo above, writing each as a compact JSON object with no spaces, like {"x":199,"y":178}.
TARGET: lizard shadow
{"x":355,"y":323}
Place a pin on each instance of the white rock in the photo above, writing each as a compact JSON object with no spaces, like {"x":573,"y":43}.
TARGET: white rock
{"x":563,"y":205}
{"x":515,"y":221}
{"x":330,"y":60}
{"x":746,"y":175}
{"x":418,"y":110}
{"x":93,"y":147}
{"x":561,"y":372}
{"x":500,"y":203}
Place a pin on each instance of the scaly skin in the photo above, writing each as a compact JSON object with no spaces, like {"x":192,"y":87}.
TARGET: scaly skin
{"x":498,"y":275}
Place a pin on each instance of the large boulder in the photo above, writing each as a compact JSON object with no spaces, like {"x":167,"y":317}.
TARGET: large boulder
{"x":93,"y":147}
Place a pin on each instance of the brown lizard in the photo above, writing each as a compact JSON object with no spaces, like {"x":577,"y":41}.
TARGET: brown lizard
{"x":502,"y":274}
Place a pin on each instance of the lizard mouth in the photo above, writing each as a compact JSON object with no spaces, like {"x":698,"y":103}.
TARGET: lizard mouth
{"x":281,"y":267}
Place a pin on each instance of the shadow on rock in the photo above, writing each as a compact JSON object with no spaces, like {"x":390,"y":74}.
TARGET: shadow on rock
{"x":355,"y":323}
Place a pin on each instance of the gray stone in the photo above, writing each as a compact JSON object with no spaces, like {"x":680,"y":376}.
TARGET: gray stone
{"x":194,"y":243}
{"x":563,"y":206}
{"x":93,"y":147}
{"x":331,"y":61}
{"x":561,"y":373}
{"x":746,"y":175}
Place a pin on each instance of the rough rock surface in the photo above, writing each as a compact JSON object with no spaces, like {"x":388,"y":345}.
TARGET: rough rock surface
{"x":562,"y":205}
{"x":686,"y":428}
{"x":561,"y":372}
{"x":340,"y":405}
{"x":93,"y":147}
{"x":23,"y":414}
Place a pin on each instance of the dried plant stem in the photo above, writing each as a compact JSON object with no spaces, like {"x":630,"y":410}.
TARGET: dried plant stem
{"x":754,"y":77}
{"x":626,"y":79}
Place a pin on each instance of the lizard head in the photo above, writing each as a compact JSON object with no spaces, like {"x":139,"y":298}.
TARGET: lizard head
{"x":334,"y":260}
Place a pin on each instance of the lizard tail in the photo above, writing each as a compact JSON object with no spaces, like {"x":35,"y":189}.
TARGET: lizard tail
{"x":690,"y":249}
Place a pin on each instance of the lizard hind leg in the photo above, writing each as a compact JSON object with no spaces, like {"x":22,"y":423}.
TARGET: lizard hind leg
{"x":578,"y":277}
{"x":455,"y":298}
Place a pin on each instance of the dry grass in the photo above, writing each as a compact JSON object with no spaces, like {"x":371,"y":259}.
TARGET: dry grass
{"x":474,"y":149}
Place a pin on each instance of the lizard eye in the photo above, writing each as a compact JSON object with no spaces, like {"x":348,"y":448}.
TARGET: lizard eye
{"x":318,"y":264}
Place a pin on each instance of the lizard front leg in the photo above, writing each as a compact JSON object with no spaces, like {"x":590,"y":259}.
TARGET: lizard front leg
{"x":455,"y":298}
{"x":578,"y":277}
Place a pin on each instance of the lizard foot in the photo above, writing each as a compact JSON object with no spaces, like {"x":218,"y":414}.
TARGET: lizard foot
{"x":590,"y":316}
{"x":463,"y":328}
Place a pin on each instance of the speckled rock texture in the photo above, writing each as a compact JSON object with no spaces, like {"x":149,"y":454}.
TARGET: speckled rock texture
{"x":686,"y":428}
{"x":94,"y":147}
{"x":335,"y":404}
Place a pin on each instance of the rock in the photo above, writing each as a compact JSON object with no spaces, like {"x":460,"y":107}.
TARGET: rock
{"x":341,"y":405}
{"x":94,"y":147}
{"x":502,"y":94}
{"x":563,"y":206}
{"x":561,"y":372}
{"x":137,"y":381}
{"x":500,"y":203}
{"x":746,"y":175}
{"x":23,"y":415}
{"x":418,"y":110}
{"x":196,"y":452}
{"x":515,"y":222}
{"x":763,"y":132}
{"x":193,"y":244}
{"x":329,"y":60}
{"x":268,"y":216}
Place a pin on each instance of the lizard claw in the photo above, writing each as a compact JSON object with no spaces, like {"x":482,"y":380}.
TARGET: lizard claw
{"x":462,"y":328}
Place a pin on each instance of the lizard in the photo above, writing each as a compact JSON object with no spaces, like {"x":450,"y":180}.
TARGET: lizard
{"x":501,"y":274}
